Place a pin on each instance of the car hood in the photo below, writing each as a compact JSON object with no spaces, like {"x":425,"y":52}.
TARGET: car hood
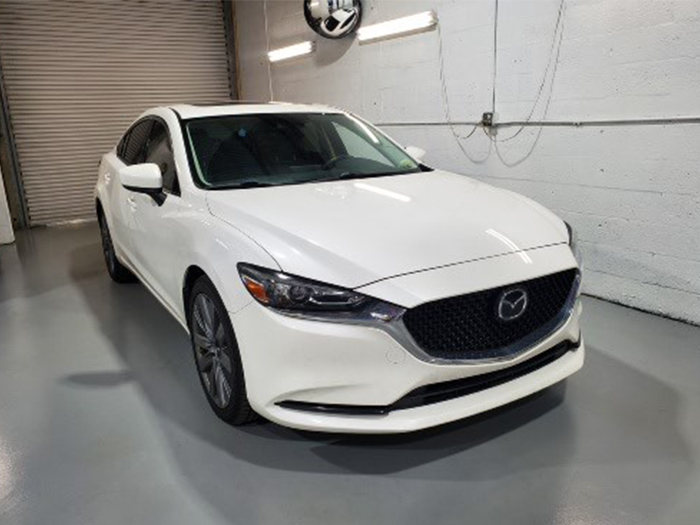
{"x":354,"y":232}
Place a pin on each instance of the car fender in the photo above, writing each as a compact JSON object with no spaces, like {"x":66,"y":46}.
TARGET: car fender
{"x":216,"y":247}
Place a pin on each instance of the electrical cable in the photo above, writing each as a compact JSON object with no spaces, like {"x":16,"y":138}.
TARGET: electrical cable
{"x":495,"y":58}
{"x":446,"y":104}
{"x":558,"y":29}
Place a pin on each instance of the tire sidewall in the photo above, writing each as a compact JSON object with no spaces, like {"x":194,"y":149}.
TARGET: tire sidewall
{"x":117,"y":271}
{"x":106,"y":236}
{"x":238,"y":406}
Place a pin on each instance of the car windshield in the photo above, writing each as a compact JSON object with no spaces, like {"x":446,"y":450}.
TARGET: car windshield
{"x":246,"y":151}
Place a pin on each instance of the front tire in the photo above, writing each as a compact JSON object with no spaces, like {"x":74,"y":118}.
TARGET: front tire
{"x":216,"y":355}
{"x":117,"y":271}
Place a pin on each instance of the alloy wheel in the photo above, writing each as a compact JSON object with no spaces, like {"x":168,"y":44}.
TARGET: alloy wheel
{"x":212,"y":350}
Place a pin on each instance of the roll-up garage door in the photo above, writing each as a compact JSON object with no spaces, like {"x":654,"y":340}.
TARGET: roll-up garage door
{"x":77,"y":72}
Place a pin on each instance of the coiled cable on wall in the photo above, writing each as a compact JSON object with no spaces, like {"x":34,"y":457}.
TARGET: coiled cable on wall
{"x":552,"y":63}
{"x":446,"y":104}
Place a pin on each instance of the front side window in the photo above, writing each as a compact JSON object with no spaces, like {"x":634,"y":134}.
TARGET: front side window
{"x":121,"y":147}
{"x":133,"y":150}
{"x":241,"y":151}
{"x":159,"y":151}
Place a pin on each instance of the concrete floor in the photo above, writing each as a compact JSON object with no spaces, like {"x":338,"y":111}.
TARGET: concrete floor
{"x":102,"y":421}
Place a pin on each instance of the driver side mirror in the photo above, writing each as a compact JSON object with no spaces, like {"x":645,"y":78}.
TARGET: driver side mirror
{"x":143,"y":178}
{"x":416,"y":153}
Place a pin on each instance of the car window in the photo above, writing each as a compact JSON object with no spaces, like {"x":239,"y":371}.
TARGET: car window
{"x":134,"y":151}
{"x":290,"y":148}
{"x":159,"y":151}
{"x":356,"y":145}
{"x":121,"y":147}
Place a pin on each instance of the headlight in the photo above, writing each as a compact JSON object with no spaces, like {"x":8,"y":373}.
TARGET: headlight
{"x":301,"y":297}
{"x":573,"y":243}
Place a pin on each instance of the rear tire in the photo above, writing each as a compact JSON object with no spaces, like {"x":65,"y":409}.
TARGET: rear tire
{"x":117,"y":271}
{"x":216,"y":355}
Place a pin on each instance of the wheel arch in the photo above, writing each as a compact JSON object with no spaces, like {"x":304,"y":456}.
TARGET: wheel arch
{"x":214,"y":252}
{"x":101,"y":212}
{"x":192,"y":273}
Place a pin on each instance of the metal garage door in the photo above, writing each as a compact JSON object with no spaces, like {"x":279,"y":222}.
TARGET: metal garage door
{"x":77,"y":72}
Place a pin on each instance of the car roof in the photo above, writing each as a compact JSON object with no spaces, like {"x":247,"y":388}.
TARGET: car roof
{"x":189,"y":111}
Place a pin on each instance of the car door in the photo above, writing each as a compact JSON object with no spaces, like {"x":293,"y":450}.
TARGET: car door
{"x":153,"y":226}
{"x":129,"y":151}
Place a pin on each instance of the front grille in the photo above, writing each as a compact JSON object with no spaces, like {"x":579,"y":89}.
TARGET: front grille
{"x":468,"y":326}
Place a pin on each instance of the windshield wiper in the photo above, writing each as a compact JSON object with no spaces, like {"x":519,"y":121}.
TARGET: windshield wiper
{"x":343,"y":176}
{"x":354,"y":175}
{"x":243,"y":185}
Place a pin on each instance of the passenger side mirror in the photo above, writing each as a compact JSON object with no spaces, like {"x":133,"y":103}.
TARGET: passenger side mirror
{"x":416,"y":153}
{"x":143,"y":178}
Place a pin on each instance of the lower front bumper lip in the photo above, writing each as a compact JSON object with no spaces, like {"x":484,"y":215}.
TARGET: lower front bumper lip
{"x":445,"y":391}
{"x":420,"y":418}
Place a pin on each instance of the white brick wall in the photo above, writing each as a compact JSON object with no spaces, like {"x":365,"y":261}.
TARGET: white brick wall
{"x":6,"y":233}
{"x":632,"y":191}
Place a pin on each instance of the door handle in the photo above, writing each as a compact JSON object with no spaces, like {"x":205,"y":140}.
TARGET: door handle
{"x":132,"y":202}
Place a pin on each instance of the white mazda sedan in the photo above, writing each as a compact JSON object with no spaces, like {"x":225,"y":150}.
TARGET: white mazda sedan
{"x":328,"y":279}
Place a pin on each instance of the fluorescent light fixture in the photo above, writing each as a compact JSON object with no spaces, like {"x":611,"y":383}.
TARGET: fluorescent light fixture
{"x":285,"y":53}
{"x":399,"y":26}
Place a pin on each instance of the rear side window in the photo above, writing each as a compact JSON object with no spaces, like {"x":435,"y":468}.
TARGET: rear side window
{"x":134,"y":148}
{"x":159,"y":151}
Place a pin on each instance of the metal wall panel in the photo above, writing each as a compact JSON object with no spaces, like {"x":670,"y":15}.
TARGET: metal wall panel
{"x":77,"y":72}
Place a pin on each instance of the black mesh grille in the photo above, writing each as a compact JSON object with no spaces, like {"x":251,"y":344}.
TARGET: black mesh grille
{"x":468,"y":326}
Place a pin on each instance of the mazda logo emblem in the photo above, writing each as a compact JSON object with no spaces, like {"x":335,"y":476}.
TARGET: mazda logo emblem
{"x":512,"y":304}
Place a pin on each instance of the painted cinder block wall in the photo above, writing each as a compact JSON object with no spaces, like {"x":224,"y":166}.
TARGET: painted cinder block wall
{"x":631,"y":189}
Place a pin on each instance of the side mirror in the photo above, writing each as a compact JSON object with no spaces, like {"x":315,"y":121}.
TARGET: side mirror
{"x":416,"y":153}
{"x":143,"y":178}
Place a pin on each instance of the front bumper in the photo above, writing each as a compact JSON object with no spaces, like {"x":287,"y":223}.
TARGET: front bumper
{"x":289,"y":359}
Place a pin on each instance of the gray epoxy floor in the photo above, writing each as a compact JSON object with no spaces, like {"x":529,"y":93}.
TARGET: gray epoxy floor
{"x":102,"y":422}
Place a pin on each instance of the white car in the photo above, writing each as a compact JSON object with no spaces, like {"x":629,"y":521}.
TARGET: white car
{"x":331,"y":281}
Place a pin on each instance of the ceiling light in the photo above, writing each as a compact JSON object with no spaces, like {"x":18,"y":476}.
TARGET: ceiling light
{"x":399,"y":26}
{"x":285,"y":53}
